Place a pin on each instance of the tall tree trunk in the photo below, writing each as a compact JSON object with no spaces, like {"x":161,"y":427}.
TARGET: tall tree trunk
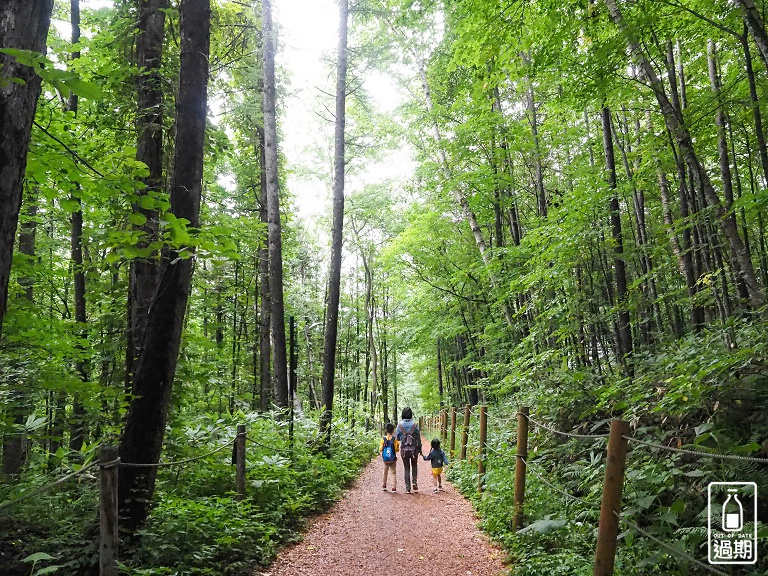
{"x":277,"y":317}
{"x":16,"y":404}
{"x":686,"y":243}
{"x":265,"y":303}
{"x":23,"y":26}
{"x":461,"y":200}
{"x":394,"y":385}
{"x":541,"y":197}
{"x":755,"y":104}
{"x":78,"y":424}
{"x":156,"y":367}
{"x":314,"y":400}
{"x":754,"y":21}
{"x":619,"y":266}
{"x":725,"y":164}
{"x":439,"y":373}
{"x":334,"y":277}
{"x":683,"y":138}
{"x":149,"y":150}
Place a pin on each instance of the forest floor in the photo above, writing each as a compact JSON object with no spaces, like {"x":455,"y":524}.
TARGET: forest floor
{"x":372,"y":532}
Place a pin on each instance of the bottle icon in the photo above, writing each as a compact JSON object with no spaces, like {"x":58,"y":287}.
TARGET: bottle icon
{"x":733,"y":513}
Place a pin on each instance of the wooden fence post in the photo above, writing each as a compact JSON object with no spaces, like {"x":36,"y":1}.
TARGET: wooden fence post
{"x":240,"y":464}
{"x":483,"y":437}
{"x":453,"y":432}
{"x":465,"y":434}
{"x":520,"y":465}
{"x":608,"y":529}
{"x":443,"y":426}
{"x":108,"y":511}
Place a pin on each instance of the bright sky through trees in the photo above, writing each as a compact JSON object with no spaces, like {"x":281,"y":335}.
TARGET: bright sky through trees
{"x":308,"y":36}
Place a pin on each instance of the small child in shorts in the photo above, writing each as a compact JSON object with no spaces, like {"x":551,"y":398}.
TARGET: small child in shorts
{"x":438,"y":459}
{"x":388,"y":447}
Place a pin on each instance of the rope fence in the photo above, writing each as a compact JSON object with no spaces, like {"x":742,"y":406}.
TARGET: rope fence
{"x":109,"y":463}
{"x":618,"y":443}
{"x":566,"y":434}
{"x":48,"y":486}
{"x":176,"y":462}
{"x":560,"y":490}
{"x":699,"y":453}
{"x":272,"y":448}
{"x":668,"y":547}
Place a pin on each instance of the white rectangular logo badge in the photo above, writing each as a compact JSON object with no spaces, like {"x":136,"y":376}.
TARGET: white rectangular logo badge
{"x":732,"y":522}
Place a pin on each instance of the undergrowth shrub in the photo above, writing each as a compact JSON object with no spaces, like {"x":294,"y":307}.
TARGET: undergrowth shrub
{"x":706,"y":391}
{"x":195,"y":527}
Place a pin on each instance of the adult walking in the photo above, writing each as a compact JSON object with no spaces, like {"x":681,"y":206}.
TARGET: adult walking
{"x":409,"y":436}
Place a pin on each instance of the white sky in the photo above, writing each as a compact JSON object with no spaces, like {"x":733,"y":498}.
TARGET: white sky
{"x":308,"y":34}
{"x":309,"y":44}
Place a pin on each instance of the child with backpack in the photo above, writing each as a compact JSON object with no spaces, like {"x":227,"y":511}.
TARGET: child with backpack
{"x":388,"y":447}
{"x":438,"y":459}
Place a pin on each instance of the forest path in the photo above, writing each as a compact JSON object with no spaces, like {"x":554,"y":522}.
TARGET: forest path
{"x":371,"y":532}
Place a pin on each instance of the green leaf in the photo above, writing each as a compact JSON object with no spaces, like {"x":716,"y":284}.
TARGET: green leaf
{"x":69,"y":205}
{"x":147,"y":202}
{"x":37,"y":556}
{"x":47,"y":570}
{"x":25,"y":57}
{"x":84,"y":89}
{"x":137,"y":218}
{"x":543,"y":526}
{"x":33,"y":423}
{"x":706,"y":427}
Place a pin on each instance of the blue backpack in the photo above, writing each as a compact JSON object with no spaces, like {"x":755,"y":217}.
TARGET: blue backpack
{"x":388,"y":452}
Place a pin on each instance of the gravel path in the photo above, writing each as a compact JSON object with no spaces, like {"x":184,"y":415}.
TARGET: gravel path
{"x":371,"y":532}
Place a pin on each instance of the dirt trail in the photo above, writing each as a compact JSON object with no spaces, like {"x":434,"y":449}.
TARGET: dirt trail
{"x":371,"y":532}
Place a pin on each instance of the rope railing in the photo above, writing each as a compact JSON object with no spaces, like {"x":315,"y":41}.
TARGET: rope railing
{"x":110,"y":462}
{"x":48,"y":486}
{"x":672,"y":549}
{"x":556,"y":489}
{"x":698,"y":453}
{"x":272,"y":448}
{"x":566,"y":434}
{"x":176,"y":462}
{"x":615,"y":463}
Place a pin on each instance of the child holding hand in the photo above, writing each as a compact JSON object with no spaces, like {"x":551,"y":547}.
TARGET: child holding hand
{"x":438,"y":459}
{"x":388,"y":447}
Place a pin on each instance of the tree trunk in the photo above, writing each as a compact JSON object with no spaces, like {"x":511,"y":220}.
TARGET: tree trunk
{"x":439,"y":373}
{"x":541,"y":198}
{"x":334,"y":278}
{"x":683,"y":138}
{"x":725,"y":164}
{"x":624,"y":326}
{"x":156,"y":367}
{"x":755,"y":103}
{"x":461,"y":200}
{"x":277,"y":318}
{"x":149,"y":150}
{"x":78,"y":423}
{"x":265,"y":304}
{"x":754,"y":22}
{"x":314,"y":400}
{"x":16,"y":404}
{"x":23,"y":26}
{"x":686,"y":243}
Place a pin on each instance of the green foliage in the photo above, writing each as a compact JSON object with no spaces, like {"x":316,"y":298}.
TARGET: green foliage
{"x":196,"y":527}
